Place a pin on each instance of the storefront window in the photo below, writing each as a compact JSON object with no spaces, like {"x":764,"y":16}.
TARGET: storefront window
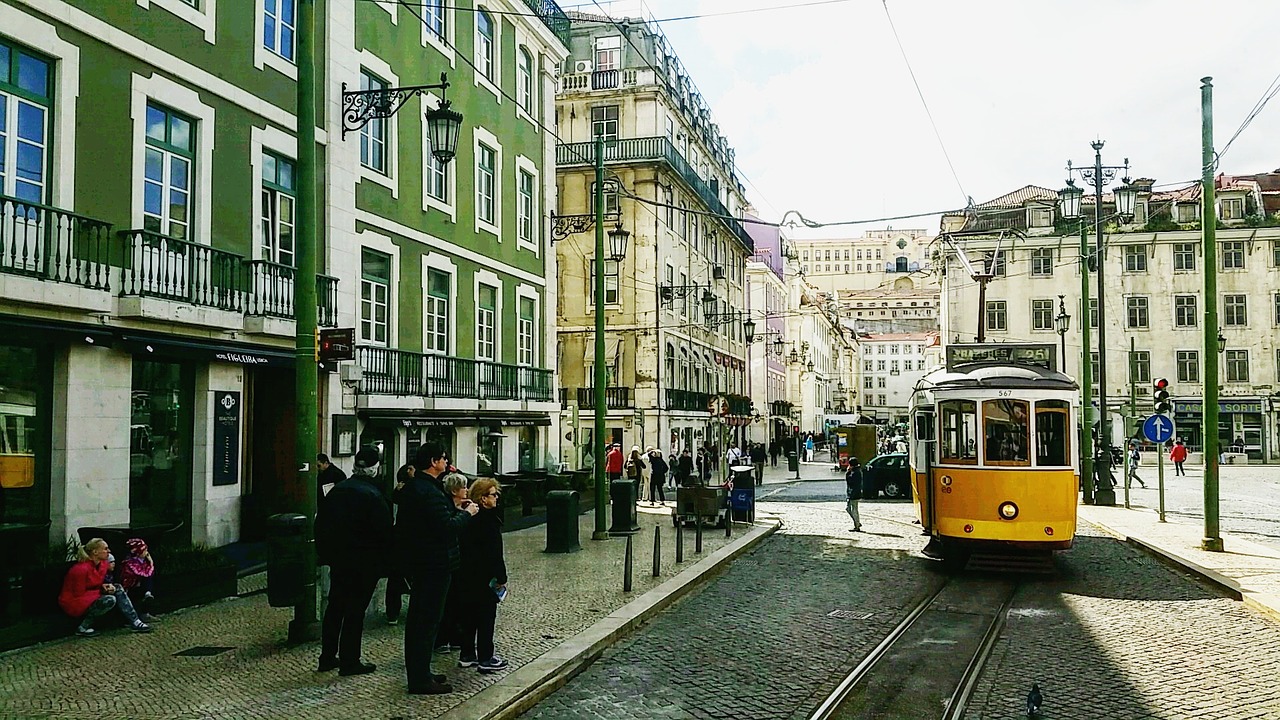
{"x":160,"y":443}
{"x":488,"y":447}
{"x":24,"y":480}
{"x":529,"y":455}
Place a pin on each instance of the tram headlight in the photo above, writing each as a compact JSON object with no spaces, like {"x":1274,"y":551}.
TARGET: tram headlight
{"x":1008,"y":511}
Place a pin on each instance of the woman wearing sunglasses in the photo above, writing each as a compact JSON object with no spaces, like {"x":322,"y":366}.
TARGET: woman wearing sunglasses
{"x":482,"y":577}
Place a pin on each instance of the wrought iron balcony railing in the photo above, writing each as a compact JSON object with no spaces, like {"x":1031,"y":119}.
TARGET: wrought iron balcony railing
{"x":615,"y":398}
{"x":552,"y":16}
{"x":326,"y":300}
{"x":654,"y":149}
{"x":165,"y":267}
{"x":48,"y":243}
{"x":688,"y":400}
{"x":399,"y":372}
{"x":270,"y":288}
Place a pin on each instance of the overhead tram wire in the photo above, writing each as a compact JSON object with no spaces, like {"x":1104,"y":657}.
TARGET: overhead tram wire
{"x":1267,"y":94}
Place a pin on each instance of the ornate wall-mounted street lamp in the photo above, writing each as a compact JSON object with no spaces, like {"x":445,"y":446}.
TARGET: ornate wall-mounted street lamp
{"x":1063,"y":323}
{"x":618,"y":242}
{"x":360,"y":107}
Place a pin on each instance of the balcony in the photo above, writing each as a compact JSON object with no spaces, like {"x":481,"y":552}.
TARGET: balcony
{"x":47,"y":243}
{"x":398,"y":372}
{"x":552,"y":16}
{"x":688,"y":400}
{"x":172,"y":269}
{"x":780,"y":409}
{"x":604,"y":79}
{"x":739,"y":405}
{"x":615,"y":398}
{"x":654,"y":149}
{"x":270,"y":288}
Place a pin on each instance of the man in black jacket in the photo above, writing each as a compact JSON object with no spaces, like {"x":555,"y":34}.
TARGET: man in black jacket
{"x":427,"y":529}
{"x":329,"y":475}
{"x":353,"y":537}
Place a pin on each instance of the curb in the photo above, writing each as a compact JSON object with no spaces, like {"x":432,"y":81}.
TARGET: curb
{"x":530,"y":684}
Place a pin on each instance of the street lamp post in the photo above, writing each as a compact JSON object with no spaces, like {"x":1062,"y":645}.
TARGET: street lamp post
{"x":1063,"y":323}
{"x":1099,"y":176}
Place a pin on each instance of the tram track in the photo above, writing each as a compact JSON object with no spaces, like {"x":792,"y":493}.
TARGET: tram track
{"x":929,"y":664}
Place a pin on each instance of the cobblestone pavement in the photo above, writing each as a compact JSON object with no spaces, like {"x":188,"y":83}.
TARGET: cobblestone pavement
{"x":1248,"y":504}
{"x":121,"y":675}
{"x":1115,"y":635}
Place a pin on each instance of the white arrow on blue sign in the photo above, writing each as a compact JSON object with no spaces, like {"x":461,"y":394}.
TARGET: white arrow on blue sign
{"x":1157,"y":428}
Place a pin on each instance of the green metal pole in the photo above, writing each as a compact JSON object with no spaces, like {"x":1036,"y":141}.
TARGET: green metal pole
{"x":602,"y":496}
{"x":304,"y":626}
{"x":1212,"y":539}
{"x":1131,"y":418}
{"x":1107,"y":495}
{"x":1086,"y":370}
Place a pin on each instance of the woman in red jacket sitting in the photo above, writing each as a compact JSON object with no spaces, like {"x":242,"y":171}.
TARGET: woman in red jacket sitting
{"x":86,"y":594}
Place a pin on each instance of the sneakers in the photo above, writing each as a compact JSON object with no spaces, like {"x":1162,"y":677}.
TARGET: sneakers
{"x":141,"y":627}
{"x":493,"y":664}
{"x":467,"y":661}
{"x":83,"y":631}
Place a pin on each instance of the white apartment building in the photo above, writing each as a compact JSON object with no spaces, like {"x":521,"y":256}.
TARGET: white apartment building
{"x":863,"y":263}
{"x":892,"y":365}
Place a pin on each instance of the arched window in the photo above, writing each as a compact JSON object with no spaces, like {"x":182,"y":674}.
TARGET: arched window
{"x":524,"y":80}
{"x":684,"y":369}
{"x":671,"y":364}
{"x":484,"y":44}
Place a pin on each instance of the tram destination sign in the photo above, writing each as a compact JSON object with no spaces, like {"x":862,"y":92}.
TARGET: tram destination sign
{"x":1043,"y":355}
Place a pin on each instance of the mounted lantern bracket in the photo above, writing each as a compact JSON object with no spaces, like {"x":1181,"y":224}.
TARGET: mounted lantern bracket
{"x":359,"y":107}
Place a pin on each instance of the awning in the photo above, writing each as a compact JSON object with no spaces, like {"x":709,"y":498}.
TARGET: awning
{"x":611,"y":347}
{"x":459,"y":419}
{"x":13,"y":326}
{"x":209,"y":350}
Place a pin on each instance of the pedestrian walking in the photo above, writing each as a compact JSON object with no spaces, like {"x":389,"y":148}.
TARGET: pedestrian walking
{"x":658,"y":469}
{"x":87,"y":594}
{"x":328,"y":477}
{"x":853,"y":491}
{"x":613,"y":462}
{"x":634,"y":468}
{"x":684,"y":471}
{"x":775,"y":449}
{"x":757,"y":455}
{"x":353,"y":537}
{"x":808,"y":448}
{"x":427,"y":530}
{"x":1134,"y":458}
{"x":673,"y":464}
{"x":482,"y":579}
{"x":1178,"y":455}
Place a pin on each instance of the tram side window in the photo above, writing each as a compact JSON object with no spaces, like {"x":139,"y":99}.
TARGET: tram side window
{"x":959,"y":428}
{"x":1053,"y":441}
{"x":1005,"y":428}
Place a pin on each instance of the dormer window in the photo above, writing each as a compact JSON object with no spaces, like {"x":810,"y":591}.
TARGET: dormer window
{"x":1039,"y":217}
{"x":1231,"y":208}
{"x":1186,"y":212}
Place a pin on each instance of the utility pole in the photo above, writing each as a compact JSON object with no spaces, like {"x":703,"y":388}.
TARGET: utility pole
{"x":602,"y":497}
{"x":1086,"y":371}
{"x":1212,"y":539}
{"x":1104,"y":425}
{"x":304,"y":625}
{"x":1131,"y":420}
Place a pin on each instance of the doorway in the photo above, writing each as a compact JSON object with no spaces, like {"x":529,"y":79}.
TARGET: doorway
{"x":160,"y":430}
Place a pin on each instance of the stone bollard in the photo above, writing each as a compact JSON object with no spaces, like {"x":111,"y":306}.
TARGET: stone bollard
{"x":680,"y":541}
{"x":626,"y":571}
{"x":697,"y":542}
{"x":657,"y":551}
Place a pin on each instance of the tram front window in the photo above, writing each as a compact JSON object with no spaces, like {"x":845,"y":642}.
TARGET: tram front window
{"x":959,"y":428}
{"x":1005,"y":428}
{"x":1053,"y":443}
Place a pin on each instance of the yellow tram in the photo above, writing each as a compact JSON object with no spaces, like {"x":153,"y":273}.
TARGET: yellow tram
{"x":992,"y":462}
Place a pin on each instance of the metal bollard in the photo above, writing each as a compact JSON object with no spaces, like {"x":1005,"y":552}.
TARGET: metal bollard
{"x":657,"y":551}
{"x":680,"y":541}
{"x":697,"y":543}
{"x":626,"y":572}
{"x":728,"y":524}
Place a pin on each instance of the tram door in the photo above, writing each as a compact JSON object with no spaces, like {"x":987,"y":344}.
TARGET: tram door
{"x":922,"y":449}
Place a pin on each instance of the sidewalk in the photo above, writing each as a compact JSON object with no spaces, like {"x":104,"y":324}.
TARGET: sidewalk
{"x":229,"y":659}
{"x":1245,"y":569}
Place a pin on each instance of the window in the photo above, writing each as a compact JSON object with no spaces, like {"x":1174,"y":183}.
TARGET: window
{"x":877,"y":253}
{"x":1136,"y":311}
{"x":486,"y":201}
{"x":859,"y":267}
{"x":880,"y":365}
{"x":168,"y":172}
{"x":1039,"y":217}
{"x":1186,"y":212}
{"x":437,"y":179}
{"x":1041,"y":314}
{"x":866,"y":365}
{"x":525,"y":334}
{"x":827,"y":256}
{"x":1093,"y":312}
{"x":880,"y":349}
{"x":439,"y":285}
{"x":1275,"y":253}
{"x":994,"y":262}
{"x":1188,"y":366}
{"x":846,"y":267}
{"x":1235,"y":310}
{"x":1184,"y":256}
{"x":610,"y":194}
{"x":484,"y":44}
{"x":805,"y":256}
{"x":278,"y":22}
{"x":1141,"y":370}
{"x":894,"y":366}
{"x":996,"y":315}
{"x":1237,"y":366}
{"x":610,"y":282}
{"x":868,"y":382}
{"x":1232,"y":208}
{"x":1135,"y":258}
{"x":486,"y":323}
{"x":375,"y":285}
{"x":25,"y":104}
{"x":1233,"y":255}
{"x":1053,"y":436}
{"x":608,"y":53}
{"x":859,"y":255}
{"x":373,"y":136}
{"x":525,"y":222}
{"x":604,"y":121}
{"x":1276,"y":302}
{"x":1184,"y":310}
{"x":880,"y":382}
{"x":958,"y":425}
{"x":433,"y":16}
{"x":846,"y":254}
{"x":524,"y":80}
{"x":1042,"y":262}
{"x":278,"y":198}
{"x":1005,"y":432}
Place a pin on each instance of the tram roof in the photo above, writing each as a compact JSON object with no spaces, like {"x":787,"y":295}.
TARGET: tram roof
{"x":998,"y":375}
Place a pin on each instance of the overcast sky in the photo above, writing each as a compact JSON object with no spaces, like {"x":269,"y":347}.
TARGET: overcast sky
{"x":822,"y":112}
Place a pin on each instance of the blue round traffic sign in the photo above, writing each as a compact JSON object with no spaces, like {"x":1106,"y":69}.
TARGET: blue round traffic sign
{"x":1157,"y":428}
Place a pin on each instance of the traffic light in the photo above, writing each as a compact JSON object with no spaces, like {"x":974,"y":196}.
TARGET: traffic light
{"x":335,"y":344}
{"x":1160,"y":396}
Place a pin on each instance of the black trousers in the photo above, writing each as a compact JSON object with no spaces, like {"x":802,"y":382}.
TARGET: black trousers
{"x":1178,"y":466}
{"x":395,"y":596}
{"x":427,"y":593}
{"x":656,"y":482}
{"x":478,"y":620}
{"x":350,"y":590}
{"x":450,"y":632}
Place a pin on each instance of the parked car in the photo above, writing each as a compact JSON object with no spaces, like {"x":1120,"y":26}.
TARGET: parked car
{"x":889,"y":473}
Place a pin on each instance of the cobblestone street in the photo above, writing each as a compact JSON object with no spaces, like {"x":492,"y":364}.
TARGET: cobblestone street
{"x":1115,"y":635}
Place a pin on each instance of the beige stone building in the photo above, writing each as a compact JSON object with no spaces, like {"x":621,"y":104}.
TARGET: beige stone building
{"x":863,"y":263}
{"x":675,"y":303}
